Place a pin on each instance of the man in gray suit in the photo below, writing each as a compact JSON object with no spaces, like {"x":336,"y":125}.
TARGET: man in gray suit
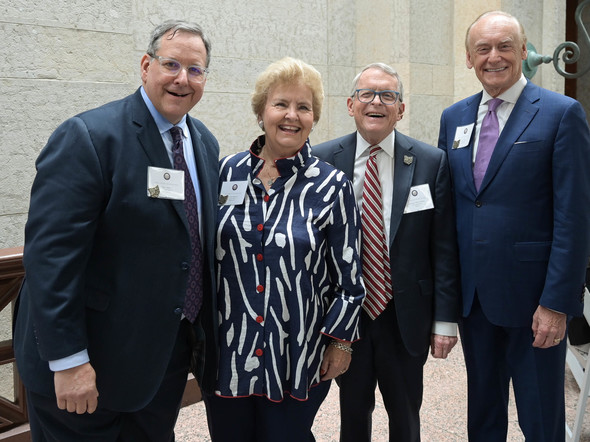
{"x":420,"y":250}
{"x":119,"y":287}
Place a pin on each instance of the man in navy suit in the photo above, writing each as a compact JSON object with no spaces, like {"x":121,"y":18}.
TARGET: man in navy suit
{"x":524,"y":234}
{"x":103,"y":340}
{"x":422,"y":253}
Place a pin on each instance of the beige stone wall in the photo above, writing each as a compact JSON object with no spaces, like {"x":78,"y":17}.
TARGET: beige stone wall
{"x":61,"y":57}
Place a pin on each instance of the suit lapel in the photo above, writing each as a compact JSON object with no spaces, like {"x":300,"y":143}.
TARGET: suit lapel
{"x":151,"y":141}
{"x":469,"y":116}
{"x":201,"y":161}
{"x":523,"y":113}
{"x":344,"y":157}
{"x":404,"y":166}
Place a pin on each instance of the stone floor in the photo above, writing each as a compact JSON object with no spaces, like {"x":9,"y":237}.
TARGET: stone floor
{"x":443,"y":412}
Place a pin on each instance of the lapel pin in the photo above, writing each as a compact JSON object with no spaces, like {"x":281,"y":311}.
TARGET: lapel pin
{"x":154,"y":192}
{"x":408,"y":160}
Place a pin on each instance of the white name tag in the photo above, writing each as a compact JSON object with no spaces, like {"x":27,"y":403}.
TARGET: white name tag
{"x":165,"y":183}
{"x":462,"y":136}
{"x":419,"y":199}
{"x":232,"y":193}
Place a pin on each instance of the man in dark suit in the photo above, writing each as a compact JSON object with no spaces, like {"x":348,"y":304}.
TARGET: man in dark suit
{"x":104,"y":335}
{"x":524,"y":233}
{"x":421,"y":252}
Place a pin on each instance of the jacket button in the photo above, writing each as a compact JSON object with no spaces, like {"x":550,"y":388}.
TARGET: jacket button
{"x":185,"y":266}
{"x":178,"y":311}
{"x":260,"y":288}
{"x":259,"y":257}
{"x":260,"y":227}
{"x":266,"y":198}
{"x":259,"y":352}
{"x":478,"y":203}
{"x":259,"y":319}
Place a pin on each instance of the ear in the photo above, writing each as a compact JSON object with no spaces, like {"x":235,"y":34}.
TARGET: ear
{"x":402,"y":108}
{"x":525,"y":53}
{"x":350,"y":105}
{"x":468,"y":60}
{"x":145,"y":66}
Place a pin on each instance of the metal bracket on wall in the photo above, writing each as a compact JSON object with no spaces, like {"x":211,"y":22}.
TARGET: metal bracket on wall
{"x":571,"y":52}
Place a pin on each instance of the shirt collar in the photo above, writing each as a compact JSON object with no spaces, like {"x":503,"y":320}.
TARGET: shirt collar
{"x":509,"y":96}
{"x":387,"y":145}
{"x":286,"y":166}
{"x":163,"y":124}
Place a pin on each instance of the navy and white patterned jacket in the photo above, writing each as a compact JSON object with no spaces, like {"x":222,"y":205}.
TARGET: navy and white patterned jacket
{"x":288,"y":274}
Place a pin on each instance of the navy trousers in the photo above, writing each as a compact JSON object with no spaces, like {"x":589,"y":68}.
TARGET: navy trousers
{"x":496,"y":355}
{"x":154,"y":423}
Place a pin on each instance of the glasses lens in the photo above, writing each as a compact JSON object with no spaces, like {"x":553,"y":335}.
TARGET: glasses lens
{"x":388,"y":97}
{"x":196,"y":73}
{"x":366,"y":95}
{"x":169,"y":66}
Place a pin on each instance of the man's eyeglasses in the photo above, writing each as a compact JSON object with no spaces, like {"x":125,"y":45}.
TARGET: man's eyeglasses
{"x":172,"y":67}
{"x":368,"y":95}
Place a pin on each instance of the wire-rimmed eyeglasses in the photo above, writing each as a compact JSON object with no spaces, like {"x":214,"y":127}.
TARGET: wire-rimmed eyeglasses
{"x":368,"y":95}
{"x":172,"y":67}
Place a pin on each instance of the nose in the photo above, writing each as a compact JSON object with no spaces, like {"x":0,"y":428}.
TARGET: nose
{"x":291,"y":112}
{"x":182,"y":76}
{"x":494,"y":54}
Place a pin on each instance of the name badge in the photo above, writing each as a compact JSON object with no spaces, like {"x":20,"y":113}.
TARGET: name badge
{"x":462,"y":136}
{"x":232,"y":193}
{"x":165,"y":183}
{"x":419,"y":199}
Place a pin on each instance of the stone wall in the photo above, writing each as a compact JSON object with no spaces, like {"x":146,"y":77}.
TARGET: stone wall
{"x":61,"y":57}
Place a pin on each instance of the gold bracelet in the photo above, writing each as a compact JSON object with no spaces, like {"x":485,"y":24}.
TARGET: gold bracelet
{"x":340,"y":346}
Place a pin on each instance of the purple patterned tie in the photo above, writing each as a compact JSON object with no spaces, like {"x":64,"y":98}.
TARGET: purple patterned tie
{"x":194,"y":290}
{"x":488,"y":136}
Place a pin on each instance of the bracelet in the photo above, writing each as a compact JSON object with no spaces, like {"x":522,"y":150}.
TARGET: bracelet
{"x":340,"y":346}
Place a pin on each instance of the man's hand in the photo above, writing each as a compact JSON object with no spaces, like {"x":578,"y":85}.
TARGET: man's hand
{"x":441,"y":346}
{"x":75,"y":389}
{"x":548,"y":327}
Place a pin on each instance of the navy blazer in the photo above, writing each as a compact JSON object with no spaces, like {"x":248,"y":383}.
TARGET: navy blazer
{"x":422,"y":245}
{"x":106,"y":266}
{"x":524,"y":238}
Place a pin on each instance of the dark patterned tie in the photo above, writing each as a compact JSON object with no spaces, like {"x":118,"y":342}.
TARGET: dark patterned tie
{"x":376,"y":267}
{"x":194,"y":290}
{"x":488,"y":136}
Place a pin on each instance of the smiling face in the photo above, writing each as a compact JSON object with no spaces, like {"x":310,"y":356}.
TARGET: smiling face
{"x":495,"y":50}
{"x":287,"y":118}
{"x":173,"y":96}
{"x":375,"y":120}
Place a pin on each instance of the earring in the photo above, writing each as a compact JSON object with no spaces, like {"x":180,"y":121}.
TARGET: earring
{"x":261,"y":124}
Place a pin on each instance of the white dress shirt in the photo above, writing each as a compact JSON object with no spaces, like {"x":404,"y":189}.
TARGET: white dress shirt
{"x":385,"y":163}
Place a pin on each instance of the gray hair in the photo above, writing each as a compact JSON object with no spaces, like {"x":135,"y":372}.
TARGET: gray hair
{"x":382,"y":67}
{"x":177,"y":26}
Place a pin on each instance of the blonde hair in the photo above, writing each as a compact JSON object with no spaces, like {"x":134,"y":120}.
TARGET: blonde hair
{"x":284,"y":71}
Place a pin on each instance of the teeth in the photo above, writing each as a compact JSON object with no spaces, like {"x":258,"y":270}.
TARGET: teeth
{"x":375,"y":115}
{"x":289,"y":128}
{"x":495,"y":70}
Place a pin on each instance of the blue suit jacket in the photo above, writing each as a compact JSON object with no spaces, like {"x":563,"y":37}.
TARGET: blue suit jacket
{"x":524,"y":237}
{"x":422,"y":248}
{"x":106,"y":266}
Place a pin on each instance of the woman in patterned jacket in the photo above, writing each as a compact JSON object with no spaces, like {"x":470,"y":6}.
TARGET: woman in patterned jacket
{"x":288,"y":269}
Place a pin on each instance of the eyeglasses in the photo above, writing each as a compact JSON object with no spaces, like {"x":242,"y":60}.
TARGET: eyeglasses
{"x":368,"y":95}
{"x":172,"y":67}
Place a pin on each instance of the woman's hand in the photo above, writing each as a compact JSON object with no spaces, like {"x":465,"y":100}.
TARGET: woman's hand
{"x":336,"y":361}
